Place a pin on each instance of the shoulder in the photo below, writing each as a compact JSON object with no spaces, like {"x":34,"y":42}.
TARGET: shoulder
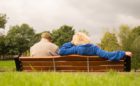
{"x":34,"y":47}
{"x":54,"y":45}
{"x":36,"y":44}
{"x":67,"y":44}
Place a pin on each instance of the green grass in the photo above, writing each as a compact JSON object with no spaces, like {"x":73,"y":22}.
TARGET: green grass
{"x":64,"y":79}
{"x":8,"y":65}
{"x":69,"y":79}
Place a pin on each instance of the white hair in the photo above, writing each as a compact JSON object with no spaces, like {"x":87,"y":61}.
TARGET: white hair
{"x":80,"y":38}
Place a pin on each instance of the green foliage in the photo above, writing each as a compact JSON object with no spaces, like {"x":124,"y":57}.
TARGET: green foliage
{"x":2,"y":44}
{"x":84,"y":31}
{"x":125,"y":37}
{"x":109,"y":42}
{"x":3,"y":47}
{"x":36,"y":38}
{"x":62,"y":35}
{"x":135,"y":47}
{"x":136,"y":30}
{"x":136,"y":53}
{"x":130,"y":40}
{"x":3,"y":20}
{"x":20,"y":38}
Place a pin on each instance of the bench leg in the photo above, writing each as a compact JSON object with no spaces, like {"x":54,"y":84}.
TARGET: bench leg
{"x":127,"y":64}
{"x":18,"y":64}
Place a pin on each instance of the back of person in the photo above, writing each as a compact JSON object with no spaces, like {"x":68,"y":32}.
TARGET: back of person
{"x":44,"y":47}
{"x":82,"y":45}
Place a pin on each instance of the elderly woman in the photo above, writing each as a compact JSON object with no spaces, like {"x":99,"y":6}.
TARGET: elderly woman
{"x":82,"y":45}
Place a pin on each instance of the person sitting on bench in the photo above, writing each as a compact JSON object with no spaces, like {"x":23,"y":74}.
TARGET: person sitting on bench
{"x":44,"y":47}
{"x":82,"y":45}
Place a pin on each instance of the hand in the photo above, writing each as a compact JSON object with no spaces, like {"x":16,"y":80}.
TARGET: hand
{"x":128,"y":53}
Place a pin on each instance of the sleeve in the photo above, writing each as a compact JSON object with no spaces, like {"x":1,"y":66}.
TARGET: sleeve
{"x":112,"y":56}
{"x":67,"y":49}
{"x":54,"y":51}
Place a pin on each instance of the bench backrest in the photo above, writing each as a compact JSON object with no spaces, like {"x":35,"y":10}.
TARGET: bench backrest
{"x":72,"y":63}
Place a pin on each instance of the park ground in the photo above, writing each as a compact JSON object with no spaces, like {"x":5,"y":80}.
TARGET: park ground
{"x":9,"y":77}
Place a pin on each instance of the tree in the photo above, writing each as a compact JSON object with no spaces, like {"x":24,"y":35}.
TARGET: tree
{"x":109,"y":42}
{"x":135,"y":47}
{"x":19,"y":38}
{"x":3,"y":47}
{"x":125,"y":38}
{"x":84,"y":31}
{"x":62,"y":35}
{"x":130,"y":41}
{"x":136,"y":53}
{"x":37,"y":38}
{"x":3,"y":20}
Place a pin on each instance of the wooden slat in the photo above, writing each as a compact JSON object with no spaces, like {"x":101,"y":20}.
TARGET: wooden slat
{"x":84,"y":63}
{"x":57,"y":58}
{"x":106,"y":67}
{"x":73,"y":63}
{"x":78,"y":59}
{"x":96,"y":63}
{"x":35,"y":59}
{"x":37,"y":63}
{"x":62,"y":58}
{"x":41,"y":68}
{"x":51,"y":68}
{"x":117,"y":67}
{"x":118,"y":70}
{"x":90,"y":68}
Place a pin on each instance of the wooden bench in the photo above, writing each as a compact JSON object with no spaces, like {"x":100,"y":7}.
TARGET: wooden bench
{"x":72,"y":63}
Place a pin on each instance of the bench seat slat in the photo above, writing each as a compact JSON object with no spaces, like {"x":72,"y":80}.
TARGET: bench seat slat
{"x":93,"y":68}
{"x":63,"y":58}
{"x":73,"y":63}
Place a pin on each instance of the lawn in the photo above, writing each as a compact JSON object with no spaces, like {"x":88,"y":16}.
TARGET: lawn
{"x":69,"y":79}
{"x":7,"y":65}
{"x":111,"y":78}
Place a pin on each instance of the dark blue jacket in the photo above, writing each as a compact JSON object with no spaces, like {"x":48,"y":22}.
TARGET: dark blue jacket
{"x":90,"y":50}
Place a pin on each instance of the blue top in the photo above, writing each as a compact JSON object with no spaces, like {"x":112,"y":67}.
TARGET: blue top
{"x":90,"y":50}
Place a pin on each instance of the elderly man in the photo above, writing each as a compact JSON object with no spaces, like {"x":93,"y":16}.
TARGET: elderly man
{"x":44,"y":47}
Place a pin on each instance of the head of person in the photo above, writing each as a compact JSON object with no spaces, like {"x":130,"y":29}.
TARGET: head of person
{"x":46,"y":35}
{"x":80,"y":38}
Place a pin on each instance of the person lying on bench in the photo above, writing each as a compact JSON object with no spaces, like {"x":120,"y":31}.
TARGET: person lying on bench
{"x":82,"y":45}
{"x":44,"y":47}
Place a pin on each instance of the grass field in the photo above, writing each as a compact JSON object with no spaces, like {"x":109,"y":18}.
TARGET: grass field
{"x":69,"y":79}
{"x":13,"y":78}
{"x":8,"y":65}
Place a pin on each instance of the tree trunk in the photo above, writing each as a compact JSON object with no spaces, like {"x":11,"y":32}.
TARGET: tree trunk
{"x":135,"y":69}
{"x":3,"y":57}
